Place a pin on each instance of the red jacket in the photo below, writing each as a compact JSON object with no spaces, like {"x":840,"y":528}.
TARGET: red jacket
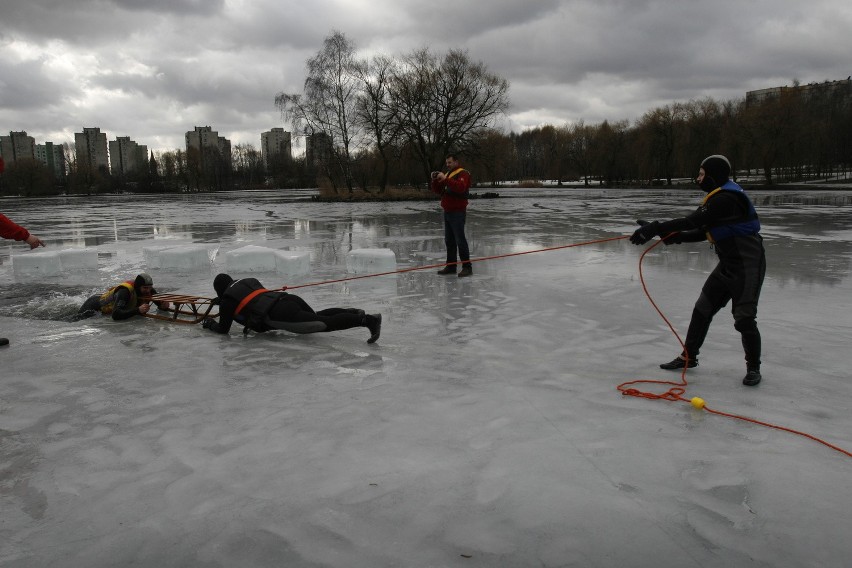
{"x":454,"y":190}
{"x":9,"y":230}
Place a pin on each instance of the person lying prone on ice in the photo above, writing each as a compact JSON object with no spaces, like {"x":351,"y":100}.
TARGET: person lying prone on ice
{"x":248,"y":303}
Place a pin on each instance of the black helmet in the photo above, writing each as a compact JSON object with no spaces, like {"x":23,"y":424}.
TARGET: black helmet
{"x":143,"y":279}
{"x":221,"y":283}
{"x":717,"y":170}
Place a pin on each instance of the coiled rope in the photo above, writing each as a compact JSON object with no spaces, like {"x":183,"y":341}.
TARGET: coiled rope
{"x":677,"y":390}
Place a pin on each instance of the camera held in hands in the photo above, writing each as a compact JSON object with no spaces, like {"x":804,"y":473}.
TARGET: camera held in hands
{"x":435,"y":174}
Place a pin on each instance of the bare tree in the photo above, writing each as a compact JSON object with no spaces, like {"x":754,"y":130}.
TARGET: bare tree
{"x":28,"y":177}
{"x":248,"y":164}
{"x":769,"y":127}
{"x":495,"y":157}
{"x":377,"y":113}
{"x":441,"y":105}
{"x":582,"y":149}
{"x":328,"y":104}
{"x":704,"y":124}
{"x":660,"y":129}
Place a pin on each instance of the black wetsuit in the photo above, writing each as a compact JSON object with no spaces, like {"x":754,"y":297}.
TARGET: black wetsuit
{"x":124,"y":308}
{"x":279,"y":310}
{"x":738,"y":277}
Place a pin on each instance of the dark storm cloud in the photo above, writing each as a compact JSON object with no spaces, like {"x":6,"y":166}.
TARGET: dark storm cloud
{"x":153,"y":68}
{"x":76,"y":22}
{"x":28,"y":87}
{"x":183,"y":7}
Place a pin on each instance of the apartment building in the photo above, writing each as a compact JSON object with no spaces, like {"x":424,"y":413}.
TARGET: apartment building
{"x":842,"y":89}
{"x":17,"y":146}
{"x":53,"y":156}
{"x":203,"y":139}
{"x":92,"y":150}
{"x":275,"y":143}
{"x":126,"y":156}
{"x":318,"y":149}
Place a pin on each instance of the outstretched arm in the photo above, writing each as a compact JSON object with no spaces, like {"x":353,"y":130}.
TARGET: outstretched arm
{"x":226,"y":317}
{"x":11,"y":230}
{"x":123,"y":309}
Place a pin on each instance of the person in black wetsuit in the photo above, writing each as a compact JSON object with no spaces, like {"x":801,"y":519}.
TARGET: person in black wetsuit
{"x":123,"y":301}
{"x":248,"y":303}
{"x":729,"y":221}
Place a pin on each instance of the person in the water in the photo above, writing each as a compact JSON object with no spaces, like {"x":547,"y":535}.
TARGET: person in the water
{"x":123,"y":301}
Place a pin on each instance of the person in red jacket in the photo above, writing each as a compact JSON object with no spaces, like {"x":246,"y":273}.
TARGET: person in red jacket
{"x":10,"y":230}
{"x":454,"y":189}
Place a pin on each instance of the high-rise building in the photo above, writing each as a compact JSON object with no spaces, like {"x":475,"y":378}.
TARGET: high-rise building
{"x":92,"y":149}
{"x":318,"y":149}
{"x":17,"y":146}
{"x":53,"y":156}
{"x":203,"y":139}
{"x":275,"y":143}
{"x":224,"y":147}
{"x":127,"y":156}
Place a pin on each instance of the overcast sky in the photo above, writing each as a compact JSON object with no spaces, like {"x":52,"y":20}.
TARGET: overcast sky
{"x":153,"y":69}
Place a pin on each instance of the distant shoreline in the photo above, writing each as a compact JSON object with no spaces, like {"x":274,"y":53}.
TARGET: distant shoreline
{"x":493,"y":192}
{"x":481,"y":192}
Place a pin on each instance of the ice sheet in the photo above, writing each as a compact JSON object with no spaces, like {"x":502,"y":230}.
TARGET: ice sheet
{"x":370,"y":261}
{"x":253,"y":258}
{"x":483,"y":429}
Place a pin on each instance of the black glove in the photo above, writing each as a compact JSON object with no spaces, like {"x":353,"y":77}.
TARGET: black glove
{"x":645,"y":233}
{"x":208,"y":323}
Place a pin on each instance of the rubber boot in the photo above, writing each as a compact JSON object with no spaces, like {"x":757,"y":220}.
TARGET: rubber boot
{"x":447,"y":270}
{"x":678,"y":363}
{"x":753,"y":377}
{"x":467,"y":270}
{"x":373,"y":322}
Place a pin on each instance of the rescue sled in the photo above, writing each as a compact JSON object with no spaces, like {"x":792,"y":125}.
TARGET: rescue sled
{"x":182,"y":309}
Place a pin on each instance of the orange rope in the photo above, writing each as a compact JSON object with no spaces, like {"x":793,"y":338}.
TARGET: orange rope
{"x":677,"y":390}
{"x":430,"y":266}
{"x":675,"y":393}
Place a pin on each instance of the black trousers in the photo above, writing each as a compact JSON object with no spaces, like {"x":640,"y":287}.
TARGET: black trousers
{"x":90,"y":307}
{"x":741,"y":286}
{"x":454,"y":236}
{"x":292,"y":313}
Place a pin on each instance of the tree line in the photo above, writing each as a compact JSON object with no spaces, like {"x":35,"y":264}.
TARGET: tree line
{"x":387,"y":122}
{"x":794,"y":135}
{"x":391,"y":120}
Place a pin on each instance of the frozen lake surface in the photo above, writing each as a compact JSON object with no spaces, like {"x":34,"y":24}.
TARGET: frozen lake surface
{"x":483,"y":429}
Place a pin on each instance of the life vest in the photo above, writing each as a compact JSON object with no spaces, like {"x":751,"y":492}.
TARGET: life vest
{"x":253,"y":303}
{"x":108,"y":297}
{"x":749,"y":226}
{"x":452,"y":174}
